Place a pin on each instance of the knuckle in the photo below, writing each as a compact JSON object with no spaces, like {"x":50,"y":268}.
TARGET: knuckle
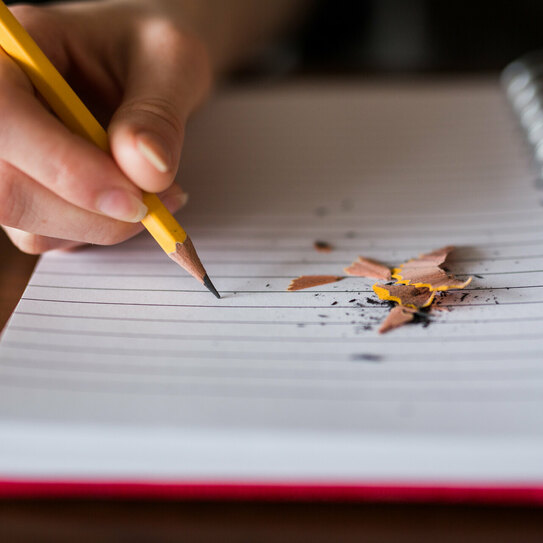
{"x":70,"y":176}
{"x":157,"y":110}
{"x":65,"y":169}
{"x":164,"y":34}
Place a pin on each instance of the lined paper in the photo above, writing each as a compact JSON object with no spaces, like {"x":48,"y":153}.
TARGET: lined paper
{"x":115,"y":352}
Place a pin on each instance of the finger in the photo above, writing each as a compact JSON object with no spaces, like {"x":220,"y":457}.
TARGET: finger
{"x":40,"y":146}
{"x":167,"y":77}
{"x":28,"y":206}
{"x":34,"y":244}
{"x":38,"y":244}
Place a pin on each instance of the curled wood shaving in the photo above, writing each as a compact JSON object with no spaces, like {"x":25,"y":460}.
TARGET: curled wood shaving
{"x":308,"y":281}
{"x":366,"y":267}
{"x":425,"y":271}
{"x":397,"y":317}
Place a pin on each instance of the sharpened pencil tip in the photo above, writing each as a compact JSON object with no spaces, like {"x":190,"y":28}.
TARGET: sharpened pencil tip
{"x":210,"y":287}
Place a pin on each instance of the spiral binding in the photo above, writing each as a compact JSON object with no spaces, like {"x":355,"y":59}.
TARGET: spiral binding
{"x":522,"y":81}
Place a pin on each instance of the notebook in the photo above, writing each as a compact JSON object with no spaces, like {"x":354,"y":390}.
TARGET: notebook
{"x":122,"y":376}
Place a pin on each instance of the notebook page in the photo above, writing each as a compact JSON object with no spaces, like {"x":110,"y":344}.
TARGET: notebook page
{"x":118,"y":363}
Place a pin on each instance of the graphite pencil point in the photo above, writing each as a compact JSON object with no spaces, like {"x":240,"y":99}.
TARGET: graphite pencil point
{"x":209,"y":285}
{"x":185,"y":255}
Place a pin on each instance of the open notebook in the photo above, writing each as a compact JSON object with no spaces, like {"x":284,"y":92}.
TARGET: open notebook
{"x":121,"y":374}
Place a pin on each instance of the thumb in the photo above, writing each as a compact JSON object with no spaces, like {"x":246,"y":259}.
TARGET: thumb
{"x":168,"y":75}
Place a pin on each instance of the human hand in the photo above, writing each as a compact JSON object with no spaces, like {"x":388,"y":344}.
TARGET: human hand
{"x":141,"y":71}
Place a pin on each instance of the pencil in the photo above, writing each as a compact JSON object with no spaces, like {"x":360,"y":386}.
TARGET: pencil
{"x":19,"y":45}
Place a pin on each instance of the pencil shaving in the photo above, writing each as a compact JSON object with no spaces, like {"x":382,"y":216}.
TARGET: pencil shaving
{"x":418,"y":281}
{"x":433,"y":278}
{"x":433,"y":258}
{"x":322,"y":246}
{"x":426,"y":271}
{"x":308,"y":281}
{"x":366,"y":267}
{"x":397,"y":317}
{"x":405,"y":295}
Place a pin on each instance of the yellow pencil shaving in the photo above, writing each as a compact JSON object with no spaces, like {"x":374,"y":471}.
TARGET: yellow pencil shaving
{"x":414,"y":297}
{"x":440,"y":282}
{"x":396,"y":275}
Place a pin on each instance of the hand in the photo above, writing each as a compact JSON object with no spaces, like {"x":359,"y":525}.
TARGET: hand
{"x":141,"y":72}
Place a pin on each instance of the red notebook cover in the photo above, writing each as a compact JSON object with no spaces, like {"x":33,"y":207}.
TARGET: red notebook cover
{"x":272,"y":490}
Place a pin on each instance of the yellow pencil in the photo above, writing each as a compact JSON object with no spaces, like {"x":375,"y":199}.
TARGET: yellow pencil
{"x":18,"y":44}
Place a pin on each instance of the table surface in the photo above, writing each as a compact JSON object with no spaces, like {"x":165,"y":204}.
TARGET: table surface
{"x":108,"y":520}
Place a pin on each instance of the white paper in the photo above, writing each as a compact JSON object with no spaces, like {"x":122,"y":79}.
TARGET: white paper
{"x":113,"y":348}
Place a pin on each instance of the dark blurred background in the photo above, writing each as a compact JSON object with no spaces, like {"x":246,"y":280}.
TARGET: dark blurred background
{"x":395,"y":36}
{"x":420,"y":35}
{"x":346,"y":36}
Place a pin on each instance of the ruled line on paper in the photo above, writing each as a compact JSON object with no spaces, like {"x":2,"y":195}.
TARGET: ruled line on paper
{"x":350,"y":363}
{"x":300,"y":232}
{"x":267,"y":291}
{"x":123,"y":321}
{"x":319,"y":369}
{"x":267,"y":323}
{"x":97,"y":262}
{"x":217,"y":276}
{"x":270,"y":338}
{"x":491,"y":376}
{"x":475,"y":396}
{"x":248,"y":262}
{"x":204,"y":306}
{"x":404,"y":247}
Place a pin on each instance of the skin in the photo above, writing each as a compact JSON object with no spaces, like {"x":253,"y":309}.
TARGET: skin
{"x":142,"y":67}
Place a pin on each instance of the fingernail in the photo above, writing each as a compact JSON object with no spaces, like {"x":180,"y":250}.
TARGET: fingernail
{"x":154,"y":152}
{"x":176,"y":201}
{"x":176,"y":191}
{"x":121,"y":205}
